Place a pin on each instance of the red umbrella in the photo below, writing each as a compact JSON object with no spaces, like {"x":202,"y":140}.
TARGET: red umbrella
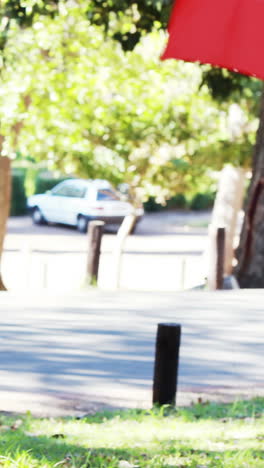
{"x":226,"y":33}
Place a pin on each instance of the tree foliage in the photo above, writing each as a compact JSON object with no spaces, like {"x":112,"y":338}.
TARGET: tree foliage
{"x":124,"y":20}
{"x":73,"y":96}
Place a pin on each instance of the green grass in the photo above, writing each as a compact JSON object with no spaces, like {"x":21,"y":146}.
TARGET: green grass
{"x":201,"y":436}
{"x":198,"y":224}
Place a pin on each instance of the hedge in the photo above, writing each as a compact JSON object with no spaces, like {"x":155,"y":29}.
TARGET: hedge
{"x":200,"y":201}
{"x":43,"y":184}
{"x":18,"y":198}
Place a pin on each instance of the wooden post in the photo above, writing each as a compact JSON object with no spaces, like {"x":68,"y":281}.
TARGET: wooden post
{"x":45,"y":274}
{"x":217,"y":258}
{"x":95,"y":232}
{"x":5,"y":195}
{"x":183,"y":273}
{"x":220,"y":257}
{"x":26,"y":253}
{"x":166,"y":364}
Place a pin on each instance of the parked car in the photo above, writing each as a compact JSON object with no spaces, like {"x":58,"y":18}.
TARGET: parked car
{"x":77,"y":201}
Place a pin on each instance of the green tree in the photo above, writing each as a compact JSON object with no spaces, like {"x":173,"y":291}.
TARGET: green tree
{"x":119,"y":115}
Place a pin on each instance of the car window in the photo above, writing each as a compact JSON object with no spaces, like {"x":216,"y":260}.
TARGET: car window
{"x":61,"y":191}
{"x":107,"y":194}
{"x":77,"y":191}
{"x":70,"y":190}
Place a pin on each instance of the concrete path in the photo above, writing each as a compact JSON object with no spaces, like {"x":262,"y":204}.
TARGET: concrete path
{"x":71,"y":354}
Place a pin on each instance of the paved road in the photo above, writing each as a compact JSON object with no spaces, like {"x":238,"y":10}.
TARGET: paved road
{"x":68,"y":353}
{"x":165,"y":254}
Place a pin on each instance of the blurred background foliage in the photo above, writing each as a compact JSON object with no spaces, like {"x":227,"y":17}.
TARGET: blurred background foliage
{"x":83,"y":89}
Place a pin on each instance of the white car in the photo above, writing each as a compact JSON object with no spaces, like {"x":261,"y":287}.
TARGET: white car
{"x":77,"y":201}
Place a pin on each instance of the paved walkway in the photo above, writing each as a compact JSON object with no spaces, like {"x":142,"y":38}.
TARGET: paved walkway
{"x":71,"y":354}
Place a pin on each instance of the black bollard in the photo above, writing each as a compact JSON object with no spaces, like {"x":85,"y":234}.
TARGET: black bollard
{"x":166,"y":364}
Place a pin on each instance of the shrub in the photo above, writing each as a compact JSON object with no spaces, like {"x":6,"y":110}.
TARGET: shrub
{"x":202,"y":201}
{"x":152,"y":206}
{"x":46,"y":183}
{"x":18,"y":197}
{"x":177,"y":202}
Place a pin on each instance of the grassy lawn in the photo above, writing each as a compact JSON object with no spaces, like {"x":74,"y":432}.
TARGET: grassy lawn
{"x":203,"y":435}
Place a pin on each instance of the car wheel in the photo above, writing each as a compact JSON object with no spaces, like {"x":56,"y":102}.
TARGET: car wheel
{"x":82,"y":224}
{"x":37,"y":216}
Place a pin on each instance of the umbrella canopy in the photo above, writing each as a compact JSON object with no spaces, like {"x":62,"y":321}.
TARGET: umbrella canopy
{"x":226,"y":33}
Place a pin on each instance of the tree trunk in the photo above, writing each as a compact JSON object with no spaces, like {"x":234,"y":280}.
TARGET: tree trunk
{"x":5,"y":192}
{"x":250,"y":253}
